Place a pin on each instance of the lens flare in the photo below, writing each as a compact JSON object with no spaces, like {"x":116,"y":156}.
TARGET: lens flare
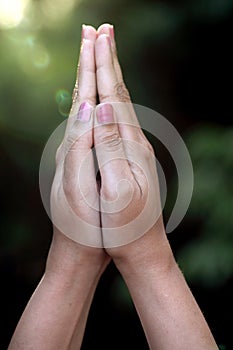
{"x":63,"y":99}
{"x":12,"y":12}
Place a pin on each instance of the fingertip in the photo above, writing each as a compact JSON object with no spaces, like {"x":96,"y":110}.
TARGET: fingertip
{"x":89,"y":32}
{"x":103,"y":50}
{"x":103,"y":39}
{"x":106,"y":28}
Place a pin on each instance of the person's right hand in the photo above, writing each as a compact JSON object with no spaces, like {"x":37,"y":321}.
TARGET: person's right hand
{"x":74,"y":194}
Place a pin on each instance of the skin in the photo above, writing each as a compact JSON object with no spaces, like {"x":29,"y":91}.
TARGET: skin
{"x":168,"y":312}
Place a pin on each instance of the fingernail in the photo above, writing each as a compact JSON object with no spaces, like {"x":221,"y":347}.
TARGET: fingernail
{"x":111,"y":31}
{"x":104,"y":114}
{"x":84,"y":112}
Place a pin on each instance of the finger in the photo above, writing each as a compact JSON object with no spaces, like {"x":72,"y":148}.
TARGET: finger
{"x":110,"y":82}
{"x":108,"y":29}
{"x":108,"y":86}
{"x":85,"y":86}
{"x":110,"y":89}
{"x":110,"y":152}
{"x":79,"y":161}
{"x":76,"y":201}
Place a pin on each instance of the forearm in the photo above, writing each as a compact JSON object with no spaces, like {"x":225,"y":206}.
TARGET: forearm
{"x":168,"y":311}
{"x":51,"y":316}
{"x":56,"y":314}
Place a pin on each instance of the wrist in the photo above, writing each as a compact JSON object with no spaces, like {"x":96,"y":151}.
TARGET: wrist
{"x":150,"y":252}
{"x":68,"y":259}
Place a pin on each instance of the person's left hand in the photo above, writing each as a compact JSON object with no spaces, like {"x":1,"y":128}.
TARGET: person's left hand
{"x":131,"y":213}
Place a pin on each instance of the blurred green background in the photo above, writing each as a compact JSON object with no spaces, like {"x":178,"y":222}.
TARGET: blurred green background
{"x":176,"y":59}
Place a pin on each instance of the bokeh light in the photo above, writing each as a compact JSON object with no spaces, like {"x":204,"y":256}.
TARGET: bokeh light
{"x":55,"y":10}
{"x":12,"y":12}
{"x":63,"y":99}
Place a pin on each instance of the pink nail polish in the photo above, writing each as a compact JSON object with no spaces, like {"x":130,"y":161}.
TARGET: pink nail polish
{"x":84,"y":112}
{"x":104,"y":114}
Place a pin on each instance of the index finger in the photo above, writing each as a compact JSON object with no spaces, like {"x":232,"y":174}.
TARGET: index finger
{"x":84,"y":94}
{"x":85,"y":86}
{"x":110,"y":88}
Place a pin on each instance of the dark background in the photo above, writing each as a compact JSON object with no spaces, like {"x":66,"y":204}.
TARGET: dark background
{"x":177,"y":60}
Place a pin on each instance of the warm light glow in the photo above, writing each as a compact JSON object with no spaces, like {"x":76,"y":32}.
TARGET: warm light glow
{"x":33,"y":56}
{"x":55,"y":10}
{"x":12,"y":12}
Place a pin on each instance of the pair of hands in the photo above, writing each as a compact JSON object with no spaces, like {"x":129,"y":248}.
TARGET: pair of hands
{"x":121,"y":220}
{"x":126,"y":205}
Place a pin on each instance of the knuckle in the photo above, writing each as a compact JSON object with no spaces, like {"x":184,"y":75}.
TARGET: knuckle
{"x":150,"y":147}
{"x":121,"y":92}
{"x":145,"y":143}
{"x":112,"y":140}
{"x":105,"y":97}
{"x":70,"y":143}
{"x":74,"y":142}
{"x":118,"y":92}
